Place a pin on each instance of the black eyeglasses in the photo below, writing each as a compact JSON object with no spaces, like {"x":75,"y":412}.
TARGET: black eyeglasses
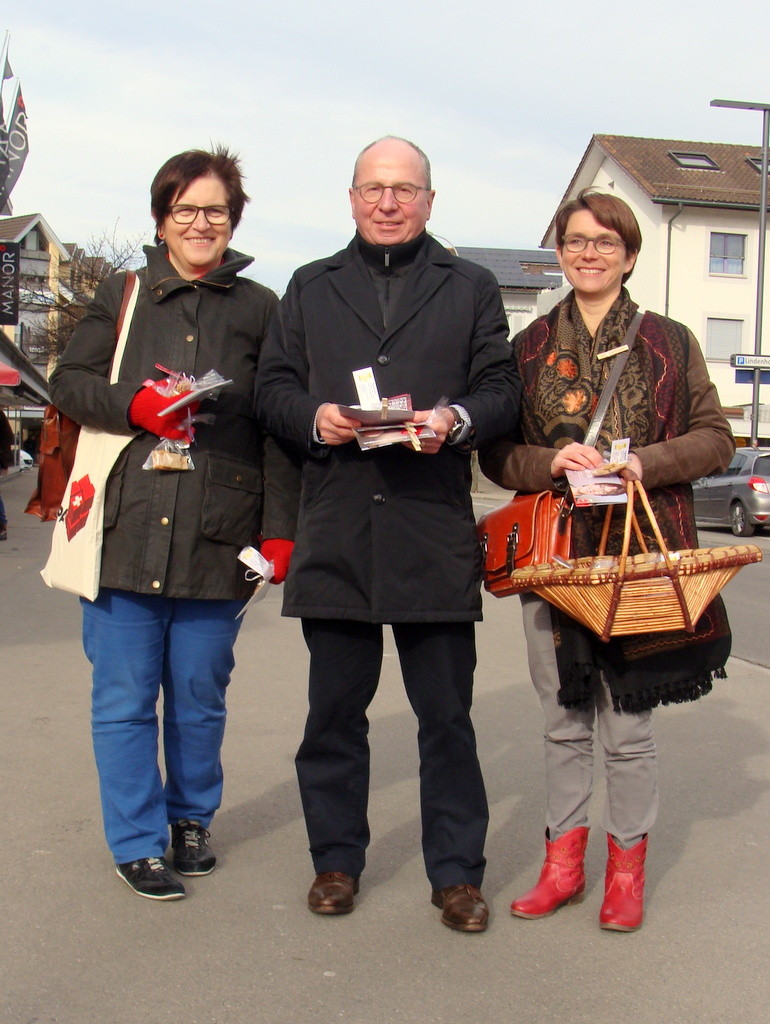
{"x":184,"y":213}
{"x":403,"y":191}
{"x":604,"y":244}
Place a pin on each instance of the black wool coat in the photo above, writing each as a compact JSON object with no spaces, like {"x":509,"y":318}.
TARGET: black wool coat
{"x":179,"y":533}
{"x":387,"y":535}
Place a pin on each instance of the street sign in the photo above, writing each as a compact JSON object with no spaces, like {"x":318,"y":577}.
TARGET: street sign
{"x":747,"y":376}
{"x":747,"y":362}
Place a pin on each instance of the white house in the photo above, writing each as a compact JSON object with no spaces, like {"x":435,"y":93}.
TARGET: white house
{"x":698,"y":208}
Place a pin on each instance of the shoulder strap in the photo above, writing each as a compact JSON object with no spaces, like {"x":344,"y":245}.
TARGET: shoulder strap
{"x":606,"y":396}
{"x":130,"y":293}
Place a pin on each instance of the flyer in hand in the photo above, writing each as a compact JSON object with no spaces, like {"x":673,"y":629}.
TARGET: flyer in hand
{"x":602,"y":485}
{"x":588,"y":488}
{"x":389,"y":423}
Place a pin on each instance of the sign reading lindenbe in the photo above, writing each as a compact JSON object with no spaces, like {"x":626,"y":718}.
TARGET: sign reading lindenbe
{"x":748,"y":362}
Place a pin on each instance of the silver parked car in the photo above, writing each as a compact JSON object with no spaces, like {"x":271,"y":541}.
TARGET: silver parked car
{"x":739,"y":497}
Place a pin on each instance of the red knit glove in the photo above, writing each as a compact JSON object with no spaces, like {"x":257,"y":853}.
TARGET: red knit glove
{"x":278,"y":552}
{"x":144,"y":409}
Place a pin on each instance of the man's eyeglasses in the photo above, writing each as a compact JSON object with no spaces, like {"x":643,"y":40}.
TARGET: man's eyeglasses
{"x":403,"y":191}
{"x":183,"y":213}
{"x":604,"y":244}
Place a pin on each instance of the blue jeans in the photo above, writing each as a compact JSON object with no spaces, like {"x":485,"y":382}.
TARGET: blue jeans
{"x":138,"y":644}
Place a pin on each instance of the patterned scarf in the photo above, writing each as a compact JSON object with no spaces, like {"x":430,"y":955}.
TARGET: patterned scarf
{"x":562,"y":381}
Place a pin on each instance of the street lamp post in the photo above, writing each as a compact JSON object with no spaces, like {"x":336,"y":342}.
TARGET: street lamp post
{"x":765,"y":108}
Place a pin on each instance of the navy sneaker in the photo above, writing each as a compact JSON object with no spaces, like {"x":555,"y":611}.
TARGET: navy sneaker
{"x":151,"y":877}
{"x":192,"y":853}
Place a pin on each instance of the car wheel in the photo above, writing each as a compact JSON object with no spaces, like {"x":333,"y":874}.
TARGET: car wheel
{"x":739,"y":521}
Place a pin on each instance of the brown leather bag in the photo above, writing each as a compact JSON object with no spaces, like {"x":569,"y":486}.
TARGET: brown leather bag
{"x":56,"y":454}
{"x":529,"y":530}
{"x":59,"y":442}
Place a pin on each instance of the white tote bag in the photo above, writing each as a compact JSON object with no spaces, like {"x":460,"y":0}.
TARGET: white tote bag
{"x":76,"y":547}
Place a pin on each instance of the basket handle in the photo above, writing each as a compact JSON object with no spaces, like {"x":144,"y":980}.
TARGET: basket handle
{"x":637,"y":486}
{"x":606,"y":529}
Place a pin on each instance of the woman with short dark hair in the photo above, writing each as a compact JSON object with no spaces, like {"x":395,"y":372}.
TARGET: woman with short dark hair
{"x":666,"y":404}
{"x":171,"y":584}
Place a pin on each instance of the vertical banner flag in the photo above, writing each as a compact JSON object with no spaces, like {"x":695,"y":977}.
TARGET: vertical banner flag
{"x":7,"y":73}
{"x":10,"y":260}
{"x":14,"y":146}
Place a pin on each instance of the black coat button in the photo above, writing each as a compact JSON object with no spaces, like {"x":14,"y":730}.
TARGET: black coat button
{"x":378,"y":499}
{"x":383,"y":360}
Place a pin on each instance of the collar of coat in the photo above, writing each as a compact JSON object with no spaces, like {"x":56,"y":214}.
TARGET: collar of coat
{"x":385,"y":258}
{"x":162,"y":279}
{"x":429,"y":250}
{"x":348,"y":275}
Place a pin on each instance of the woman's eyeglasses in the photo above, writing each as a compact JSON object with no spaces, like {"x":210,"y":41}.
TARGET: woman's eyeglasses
{"x":183,"y":213}
{"x":604,"y":244}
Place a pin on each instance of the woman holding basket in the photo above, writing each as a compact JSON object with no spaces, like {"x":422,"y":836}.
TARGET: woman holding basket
{"x":666,"y":405}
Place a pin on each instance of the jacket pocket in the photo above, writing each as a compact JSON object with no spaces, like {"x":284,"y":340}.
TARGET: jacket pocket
{"x":232,"y":501}
{"x":114,"y":490}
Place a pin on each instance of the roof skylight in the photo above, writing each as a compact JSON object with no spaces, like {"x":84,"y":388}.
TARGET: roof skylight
{"x":693,"y":161}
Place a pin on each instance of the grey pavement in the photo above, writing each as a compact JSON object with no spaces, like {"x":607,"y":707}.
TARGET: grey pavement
{"x":77,"y":947}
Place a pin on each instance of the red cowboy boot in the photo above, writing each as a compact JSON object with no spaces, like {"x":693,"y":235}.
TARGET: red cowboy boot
{"x":623,"y":907}
{"x":562,"y":879}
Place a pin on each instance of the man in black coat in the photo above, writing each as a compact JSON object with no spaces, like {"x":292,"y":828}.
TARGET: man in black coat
{"x":388,"y":535}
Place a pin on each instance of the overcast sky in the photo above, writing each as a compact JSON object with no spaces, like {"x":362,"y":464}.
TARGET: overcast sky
{"x":503,"y":96}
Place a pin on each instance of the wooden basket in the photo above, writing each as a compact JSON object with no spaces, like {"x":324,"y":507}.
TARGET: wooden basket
{"x":646,"y":593}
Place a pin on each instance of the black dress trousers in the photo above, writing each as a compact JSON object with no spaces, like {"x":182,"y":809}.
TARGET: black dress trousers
{"x":437,"y":662}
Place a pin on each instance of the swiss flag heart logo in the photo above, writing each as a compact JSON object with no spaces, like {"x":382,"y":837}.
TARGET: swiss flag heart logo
{"x":81,"y":500}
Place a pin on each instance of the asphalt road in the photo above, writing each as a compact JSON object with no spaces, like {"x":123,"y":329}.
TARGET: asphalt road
{"x":746,"y":597}
{"x":76,"y":947}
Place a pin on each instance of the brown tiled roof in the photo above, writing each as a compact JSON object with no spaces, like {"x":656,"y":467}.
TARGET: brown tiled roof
{"x":12,"y":228}
{"x":648,"y":161}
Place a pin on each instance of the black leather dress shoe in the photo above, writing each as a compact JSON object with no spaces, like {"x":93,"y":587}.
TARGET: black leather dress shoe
{"x":332,"y":892}
{"x":464,"y":908}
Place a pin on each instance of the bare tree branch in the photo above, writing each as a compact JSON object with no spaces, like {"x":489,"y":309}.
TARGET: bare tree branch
{"x":104,"y":254}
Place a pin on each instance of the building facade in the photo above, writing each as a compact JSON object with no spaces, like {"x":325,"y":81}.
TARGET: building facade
{"x":47,"y":302}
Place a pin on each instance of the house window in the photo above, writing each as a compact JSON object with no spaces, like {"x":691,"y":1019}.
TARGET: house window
{"x":727,"y":253}
{"x":32,"y":241}
{"x":694,"y":161}
{"x":756,"y":163}
{"x":723,"y":337}
{"x":519,"y":317}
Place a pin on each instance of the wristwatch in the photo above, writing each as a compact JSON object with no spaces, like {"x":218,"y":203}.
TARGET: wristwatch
{"x":461,"y":429}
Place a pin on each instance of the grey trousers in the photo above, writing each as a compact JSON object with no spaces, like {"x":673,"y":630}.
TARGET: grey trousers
{"x":631,"y":804}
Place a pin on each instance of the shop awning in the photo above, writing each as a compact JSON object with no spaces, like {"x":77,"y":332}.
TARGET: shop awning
{"x":21,"y":383}
{"x":9,"y":377}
